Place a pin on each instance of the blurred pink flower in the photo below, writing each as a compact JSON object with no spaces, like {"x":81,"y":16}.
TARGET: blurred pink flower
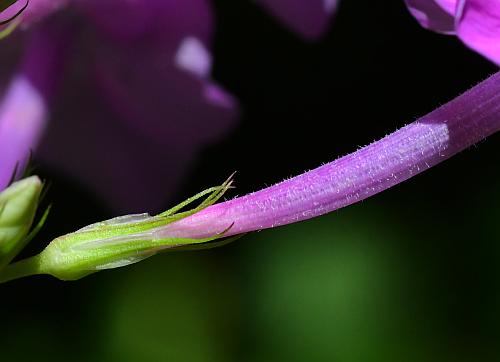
{"x":475,"y":22}
{"x":139,"y":98}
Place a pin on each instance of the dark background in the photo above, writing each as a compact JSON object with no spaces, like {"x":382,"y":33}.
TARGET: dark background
{"x":408,"y":275}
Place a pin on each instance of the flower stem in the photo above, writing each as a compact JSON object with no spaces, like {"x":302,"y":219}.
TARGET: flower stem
{"x":20,"y":269}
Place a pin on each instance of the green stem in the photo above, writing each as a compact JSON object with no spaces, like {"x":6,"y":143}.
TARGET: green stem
{"x":20,"y":269}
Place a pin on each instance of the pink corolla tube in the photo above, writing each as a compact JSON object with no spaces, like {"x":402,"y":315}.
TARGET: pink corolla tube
{"x":410,"y":150}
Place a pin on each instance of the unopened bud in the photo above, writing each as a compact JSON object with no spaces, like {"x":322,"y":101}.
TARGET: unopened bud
{"x":18,"y":204}
{"x":121,"y":241}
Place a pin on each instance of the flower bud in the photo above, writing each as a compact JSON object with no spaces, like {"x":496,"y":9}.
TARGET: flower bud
{"x":18,"y":204}
{"x":120,"y":241}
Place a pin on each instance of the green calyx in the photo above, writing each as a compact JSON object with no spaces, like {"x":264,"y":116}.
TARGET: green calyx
{"x":116,"y":242}
{"x":18,"y":205}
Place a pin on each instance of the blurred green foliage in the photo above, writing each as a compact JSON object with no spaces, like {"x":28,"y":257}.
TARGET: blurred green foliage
{"x":180,"y":309}
{"x":333,"y":289}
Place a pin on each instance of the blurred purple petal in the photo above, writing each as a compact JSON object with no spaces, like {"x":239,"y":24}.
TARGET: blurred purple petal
{"x":124,"y":168}
{"x":437,"y":15}
{"x":136,"y":165}
{"x":145,"y":100}
{"x":23,"y":115}
{"x":167,"y":21}
{"x":39,"y":9}
{"x":149,"y":105}
{"x":449,"y":6}
{"x":162,"y":100}
{"x":476,"y":22}
{"x":23,"y":109}
{"x":308,"y":18}
{"x":193,"y":57}
{"x":478,"y":26}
